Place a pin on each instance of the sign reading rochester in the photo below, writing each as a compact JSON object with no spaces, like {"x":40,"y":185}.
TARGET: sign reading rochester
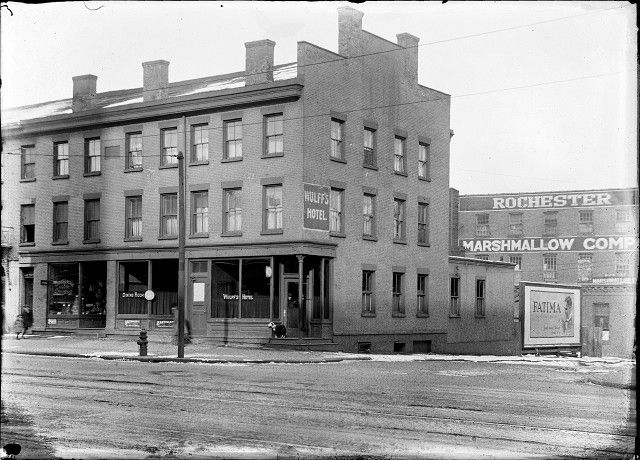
{"x":316,"y":207}
{"x":551,"y":315}
{"x":567,"y":243}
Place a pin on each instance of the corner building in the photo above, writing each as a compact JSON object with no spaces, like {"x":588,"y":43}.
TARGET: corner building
{"x":316,"y":197}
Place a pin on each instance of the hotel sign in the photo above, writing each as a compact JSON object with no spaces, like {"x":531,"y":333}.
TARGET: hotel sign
{"x":549,"y":200}
{"x":568,"y":243}
{"x":316,"y":207}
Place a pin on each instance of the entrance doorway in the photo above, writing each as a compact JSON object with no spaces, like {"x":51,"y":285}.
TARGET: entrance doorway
{"x":291,"y":307}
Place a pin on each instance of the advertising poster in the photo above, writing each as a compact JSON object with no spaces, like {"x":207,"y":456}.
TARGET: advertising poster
{"x":551,"y":315}
{"x":316,"y":207}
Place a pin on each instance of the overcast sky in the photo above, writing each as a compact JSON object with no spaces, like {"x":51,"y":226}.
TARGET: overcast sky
{"x":569,"y":124}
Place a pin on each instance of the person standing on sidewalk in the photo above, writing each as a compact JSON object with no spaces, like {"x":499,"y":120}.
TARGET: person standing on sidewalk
{"x":26,"y":316}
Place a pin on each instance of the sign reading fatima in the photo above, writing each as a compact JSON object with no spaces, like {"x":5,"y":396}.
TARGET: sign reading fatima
{"x":316,"y":207}
{"x":549,"y":200}
{"x":567,"y":243}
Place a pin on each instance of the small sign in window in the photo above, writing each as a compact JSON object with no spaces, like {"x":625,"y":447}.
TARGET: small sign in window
{"x":198,"y":292}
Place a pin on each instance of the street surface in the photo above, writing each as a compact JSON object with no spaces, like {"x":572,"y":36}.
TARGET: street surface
{"x":92,"y":408}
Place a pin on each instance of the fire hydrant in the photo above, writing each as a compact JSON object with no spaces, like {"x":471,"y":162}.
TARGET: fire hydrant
{"x":142,"y":343}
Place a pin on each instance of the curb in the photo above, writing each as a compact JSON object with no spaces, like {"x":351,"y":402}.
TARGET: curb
{"x":622,"y":386}
{"x":161,"y":359}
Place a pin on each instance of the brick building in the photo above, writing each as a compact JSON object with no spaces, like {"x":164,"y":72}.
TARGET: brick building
{"x":317,"y":196}
{"x":586,"y":237}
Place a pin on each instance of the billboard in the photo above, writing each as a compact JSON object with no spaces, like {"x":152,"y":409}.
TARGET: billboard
{"x":551,"y":315}
{"x":551,"y":244}
{"x":316,"y":207}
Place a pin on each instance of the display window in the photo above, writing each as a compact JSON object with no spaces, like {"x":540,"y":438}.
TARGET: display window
{"x":63,"y":289}
{"x":255,"y":288}
{"x":133,"y":282}
{"x":225,"y":281}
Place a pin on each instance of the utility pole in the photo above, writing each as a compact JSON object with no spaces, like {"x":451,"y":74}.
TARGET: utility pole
{"x":181,"y":241}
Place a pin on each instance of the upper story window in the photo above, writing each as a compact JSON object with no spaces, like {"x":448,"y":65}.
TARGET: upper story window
{"x":623,"y":264}
{"x":368,"y":215}
{"x":623,"y":220}
{"x":482,"y":224}
{"x":601,"y":313}
{"x":272,"y":207}
{"x":134,"y":150}
{"x":336,"y":216}
{"x":454,"y":296}
{"x":586,"y":222}
{"x":369,"y":147}
{"x":169,"y":215}
{"x":398,"y":219}
{"x":274,"y":135}
{"x":424,"y":157}
{"x":92,"y":155}
{"x":422,"y":291}
{"x":200,"y":212}
{"x":28,"y":162}
{"x":28,"y":223}
{"x":423,"y":223}
{"x":481,"y":256}
{"x":480,"y":297}
{"x":551,"y":223}
{"x":60,"y":222}
{"x":169,"y":146}
{"x":232,"y":210}
{"x":516,"y":259}
{"x":337,"y":138}
{"x":200,"y":143}
{"x":92,"y":220}
{"x":515,"y":224}
{"x":368,"y":298}
{"x":549,"y":266}
{"x":585,"y":267}
{"x":399,"y":155}
{"x":398,"y":297}
{"x":61,"y":159}
{"x":133,"y":217}
{"x":233,"y":139}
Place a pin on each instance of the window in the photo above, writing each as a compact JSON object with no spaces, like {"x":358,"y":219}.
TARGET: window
{"x":422,"y":290}
{"x":225,"y":287}
{"x":28,"y":162}
{"x":480,"y":297}
{"x":551,"y":223}
{"x":549,"y":266}
{"x":200,"y":143}
{"x":134,"y":150}
{"x":454,"y":296}
{"x":368,"y":215}
{"x":369,"y":147}
{"x":169,"y":215}
{"x":516,"y":259}
{"x":169,"y":146}
{"x":601,"y":318}
{"x":336,"y":224}
{"x":92,"y":220}
{"x":424,"y":157}
{"x":398,"y":299}
{"x":337,"y":145}
{"x":398,"y":219}
{"x":92,"y":155}
{"x":273,"y":207}
{"x":399,"y":159}
{"x":586,"y":222}
{"x":623,"y":221}
{"x":256,"y":292}
{"x":423,"y":223}
{"x":232,"y":210}
{"x":482,"y":224}
{"x":61,"y":159}
{"x":274,"y":135}
{"x":200,"y":212}
{"x":133,"y":217}
{"x":515,"y":224}
{"x":482,"y":256}
{"x":623,"y":264}
{"x":585,"y":267}
{"x":133,"y":277}
{"x":60,"y":221}
{"x":28,"y":223}
{"x":368,"y":303}
{"x":233,"y":139}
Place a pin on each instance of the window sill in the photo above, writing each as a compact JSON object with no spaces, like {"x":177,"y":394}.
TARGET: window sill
{"x":33,"y":179}
{"x":549,"y":235}
{"x":422,"y":315}
{"x":199,"y":163}
{"x":372,"y":167}
{"x":272,"y":232}
{"x":129,"y":170}
{"x":368,"y":314}
{"x":92,"y":173}
{"x":232,"y":160}
{"x":227,"y":234}
{"x":424,"y":245}
{"x":398,"y":241}
{"x":480,"y":316}
{"x":272,"y":155}
{"x":513,"y":235}
{"x":199,"y":235}
{"x":397,"y":314}
{"x":454,"y":316}
{"x":27,"y":244}
{"x":338,"y":234}
{"x":400,"y":173}
{"x":425,"y":179}
{"x":133,"y":238}
{"x":61,"y":176}
{"x":338,"y":160}
{"x":170,"y":166}
{"x":369,"y":238}
{"x":91,"y":241}
{"x":168,"y":237}
{"x":59,"y":243}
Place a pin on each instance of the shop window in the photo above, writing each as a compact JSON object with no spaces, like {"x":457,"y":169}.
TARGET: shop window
{"x":200,"y":143}
{"x":601,"y":318}
{"x":337,"y":138}
{"x":28,"y":162}
{"x":94,"y":281}
{"x":28,"y":223}
{"x":132,"y":284}
{"x":368,"y":298}
{"x":585,"y":224}
{"x":164,"y":282}
{"x":454,"y":296}
{"x":61,"y":159}
{"x":399,"y":347}
{"x":26,"y":294}
{"x":398,"y":293}
{"x":92,"y":155}
{"x":225,"y":281}
{"x":422,"y":290}
{"x":233,"y":140}
{"x":134,"y":150}
{"x":336,"y":215}
{"x":482,"y":224}
{"x":480,"y":297}
{"x":256,"y":288}
{"x":63,"y":289}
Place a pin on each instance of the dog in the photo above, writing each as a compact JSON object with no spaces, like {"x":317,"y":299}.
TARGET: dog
{"x":278,"y":329}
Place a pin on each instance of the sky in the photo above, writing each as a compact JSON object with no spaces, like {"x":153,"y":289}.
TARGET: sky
{"x":544,"y":94}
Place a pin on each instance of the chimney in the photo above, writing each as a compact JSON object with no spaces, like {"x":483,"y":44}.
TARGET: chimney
{"x":259,"y":62}
{"x":84,"y":92}
{"x":409,"y":56}
{"x":155,"y":80}
{"x":349,"y":31}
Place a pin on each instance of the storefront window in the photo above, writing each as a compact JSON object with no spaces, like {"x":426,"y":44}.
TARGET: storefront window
{"x":255,"y":288}
{"x":224,"y":289}
{"x":94,"y":277}
{"x":63,"y":289}
{"x":133,"y":282}
{"x":164,"y":282}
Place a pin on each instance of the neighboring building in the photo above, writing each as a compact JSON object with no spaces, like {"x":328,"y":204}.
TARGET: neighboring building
{"x":317,"y":196}
{"x":586,"y":237}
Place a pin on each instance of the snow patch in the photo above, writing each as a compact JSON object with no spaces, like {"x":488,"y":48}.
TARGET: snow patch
{"x":134,"y":100}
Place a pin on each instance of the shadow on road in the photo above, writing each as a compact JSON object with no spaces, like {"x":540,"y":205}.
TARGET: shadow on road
{"x":17,"y":427}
